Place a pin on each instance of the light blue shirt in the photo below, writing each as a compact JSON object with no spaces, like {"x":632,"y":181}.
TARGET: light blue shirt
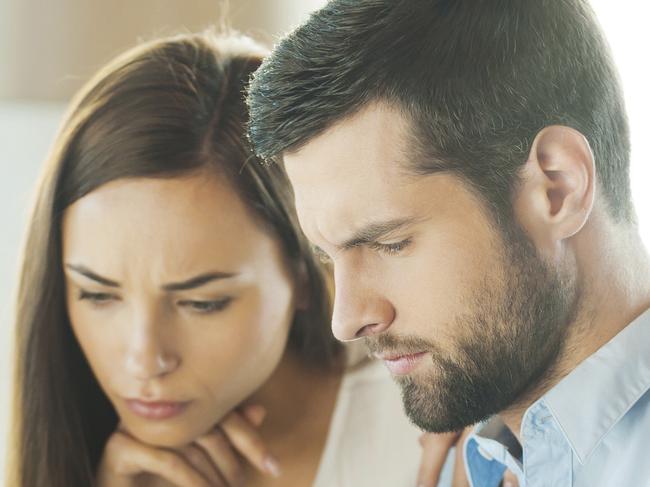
{"x":592,"y":429}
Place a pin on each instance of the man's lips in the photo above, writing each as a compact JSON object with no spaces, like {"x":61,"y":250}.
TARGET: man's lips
{"x":156,"y":409}
{"x":401,"y":364}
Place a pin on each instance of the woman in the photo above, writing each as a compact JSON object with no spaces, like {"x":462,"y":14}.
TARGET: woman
{"x":168,"y":304}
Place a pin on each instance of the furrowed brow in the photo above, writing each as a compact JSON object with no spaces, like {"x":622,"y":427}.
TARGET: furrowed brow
{"x":198,"y":281}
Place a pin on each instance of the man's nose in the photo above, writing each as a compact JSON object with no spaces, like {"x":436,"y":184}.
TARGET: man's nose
{"x":148,"y":356}
{"x":359,"y":309}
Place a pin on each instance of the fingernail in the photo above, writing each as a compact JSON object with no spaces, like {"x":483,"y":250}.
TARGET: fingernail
{"x":254,"y":414}
{"x":271,"y":465}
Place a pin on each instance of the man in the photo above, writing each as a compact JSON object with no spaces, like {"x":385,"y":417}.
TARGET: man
{"x":464,"y":164}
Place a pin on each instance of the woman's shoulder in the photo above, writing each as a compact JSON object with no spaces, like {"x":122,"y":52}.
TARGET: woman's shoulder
{"x":370,"y":397}
{"x":368,"y":390}
{"x":368,"y":373}
{"x":365,"y":376}
{"x":371,"y":441}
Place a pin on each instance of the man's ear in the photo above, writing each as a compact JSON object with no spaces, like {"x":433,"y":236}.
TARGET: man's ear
{"x":556,"y":193}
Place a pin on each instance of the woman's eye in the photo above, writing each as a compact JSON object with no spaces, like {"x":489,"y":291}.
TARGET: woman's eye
{"x":206,"y":307}
{"x":392,"y":248}
{"x":96,"y":298}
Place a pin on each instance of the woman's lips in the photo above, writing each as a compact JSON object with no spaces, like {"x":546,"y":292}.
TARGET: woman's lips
{"x":156,"y":409}
{"x":402,"y":364}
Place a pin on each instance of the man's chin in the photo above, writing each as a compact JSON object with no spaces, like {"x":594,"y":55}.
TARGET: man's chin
{"x":434,"y":409}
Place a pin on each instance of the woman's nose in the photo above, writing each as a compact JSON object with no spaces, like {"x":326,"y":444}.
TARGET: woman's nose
{"x":146,"y":366}
{"x":148,"y":356}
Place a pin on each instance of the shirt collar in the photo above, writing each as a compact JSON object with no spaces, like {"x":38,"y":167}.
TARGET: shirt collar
{"x":590,"y":400}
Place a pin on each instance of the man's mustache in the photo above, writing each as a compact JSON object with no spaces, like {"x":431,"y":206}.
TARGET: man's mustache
{"x":386,"y":343}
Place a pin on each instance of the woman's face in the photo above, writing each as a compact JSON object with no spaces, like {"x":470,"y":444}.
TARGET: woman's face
{"x":180,"y":301}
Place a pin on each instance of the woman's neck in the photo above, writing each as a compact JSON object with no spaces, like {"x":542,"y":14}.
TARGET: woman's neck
{"x":299,"y":401}
{"x":295,"y":393}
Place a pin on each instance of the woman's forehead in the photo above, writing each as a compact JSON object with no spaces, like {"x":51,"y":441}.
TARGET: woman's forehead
{"x":182,"y":223}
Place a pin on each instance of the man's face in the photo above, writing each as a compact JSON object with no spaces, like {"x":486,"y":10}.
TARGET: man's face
{"x":465,"y":314}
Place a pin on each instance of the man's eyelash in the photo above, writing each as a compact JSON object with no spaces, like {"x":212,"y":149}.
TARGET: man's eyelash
{"x":392,"y":248}
{"x":386,"y":249}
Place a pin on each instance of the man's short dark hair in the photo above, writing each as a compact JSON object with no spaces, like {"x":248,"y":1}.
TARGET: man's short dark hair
{"x":477,"y":80}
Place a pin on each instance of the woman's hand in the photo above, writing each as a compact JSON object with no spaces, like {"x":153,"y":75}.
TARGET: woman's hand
{"x":216,"y":459}
{"x":435,"y":449}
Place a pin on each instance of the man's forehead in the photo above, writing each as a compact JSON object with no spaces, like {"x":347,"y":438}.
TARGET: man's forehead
{"x":366,"y":149}
{"x":351,"y":174}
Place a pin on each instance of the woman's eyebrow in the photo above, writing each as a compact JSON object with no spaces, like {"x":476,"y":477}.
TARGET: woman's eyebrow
{"x":191,"y":283}
{"x":198,"y":281}
{"x":84,"y":271}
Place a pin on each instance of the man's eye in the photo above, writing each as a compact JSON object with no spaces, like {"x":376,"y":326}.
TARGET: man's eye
{"x":392,"y":248}
{"x":96,"y":298}
{"x":206,"y":307}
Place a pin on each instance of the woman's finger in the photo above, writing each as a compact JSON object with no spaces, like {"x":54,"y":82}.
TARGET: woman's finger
{"x":460,"y":476}
{"x":126,"y":457}
{"x":510,"y":479}
{"x":248,"y":443}
{"x":254,"y":413}
{"x":435,"y":448}
{"x":223,"y":456}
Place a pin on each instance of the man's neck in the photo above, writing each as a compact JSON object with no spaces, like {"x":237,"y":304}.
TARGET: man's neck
{"x":615,"y":289}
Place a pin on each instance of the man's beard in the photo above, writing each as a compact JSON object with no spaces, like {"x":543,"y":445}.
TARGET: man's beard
{"x":502,"y":348}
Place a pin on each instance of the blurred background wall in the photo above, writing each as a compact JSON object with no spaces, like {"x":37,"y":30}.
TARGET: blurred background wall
{"x":49,"y":48}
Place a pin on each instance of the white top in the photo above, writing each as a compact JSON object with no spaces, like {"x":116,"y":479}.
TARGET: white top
{"x":371,"y":442}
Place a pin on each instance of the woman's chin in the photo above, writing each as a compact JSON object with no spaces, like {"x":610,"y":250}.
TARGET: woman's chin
{"x":163,"y":435}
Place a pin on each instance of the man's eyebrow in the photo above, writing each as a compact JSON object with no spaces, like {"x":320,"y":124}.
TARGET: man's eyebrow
{"x":191,"y":283}
{"x":84,"y":271}
{"x":374,"y":231}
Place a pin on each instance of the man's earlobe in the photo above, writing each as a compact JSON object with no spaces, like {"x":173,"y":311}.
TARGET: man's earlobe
{"x":556,"y":194}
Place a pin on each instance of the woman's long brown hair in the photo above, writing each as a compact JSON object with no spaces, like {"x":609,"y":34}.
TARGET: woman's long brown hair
{"x":164,"y":109}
